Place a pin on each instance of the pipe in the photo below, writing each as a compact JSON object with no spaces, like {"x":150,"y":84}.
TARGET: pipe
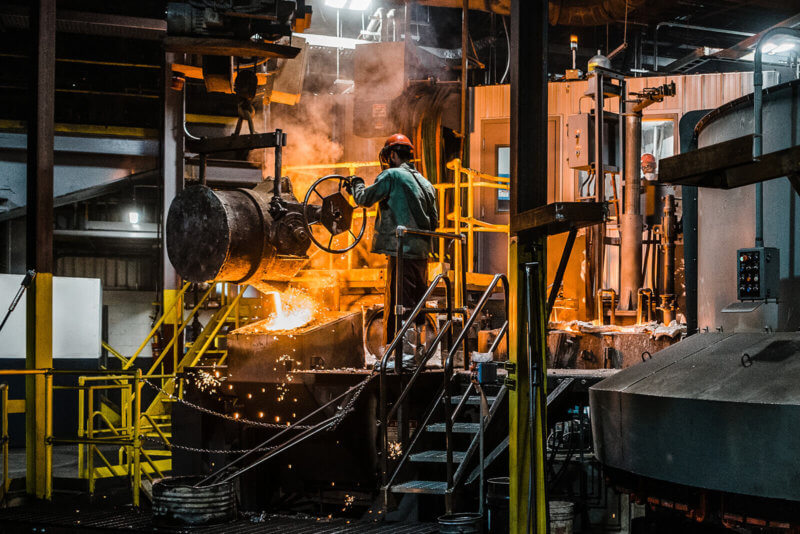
{"x":668,"y":228}
{"x":689,"y":27}
{"x":758,"y":118}
{"x":631,"y":219}
{"x":276,"y":188}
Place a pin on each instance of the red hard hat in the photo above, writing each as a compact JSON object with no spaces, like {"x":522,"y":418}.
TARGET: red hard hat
{"x":398,"y":139}
{"x":648,"y":158}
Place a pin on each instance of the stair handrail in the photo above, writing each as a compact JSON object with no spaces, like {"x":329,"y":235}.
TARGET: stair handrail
{"x":158,"y":324}
{"x":448,"y":374}
{"x":384,"y":415}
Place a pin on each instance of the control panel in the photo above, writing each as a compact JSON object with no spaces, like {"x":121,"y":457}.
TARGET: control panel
{"x":758,"y":273}
{"x":580,"y":141}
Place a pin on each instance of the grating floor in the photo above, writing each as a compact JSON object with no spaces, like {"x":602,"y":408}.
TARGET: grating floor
{"x":94,"y":521}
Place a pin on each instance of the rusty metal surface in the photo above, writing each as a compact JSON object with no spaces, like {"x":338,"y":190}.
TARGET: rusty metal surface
{"x":230,"y":236}
{"x":573,"y":350}
{"x":703,"y":414}
{"x":264,"y":356}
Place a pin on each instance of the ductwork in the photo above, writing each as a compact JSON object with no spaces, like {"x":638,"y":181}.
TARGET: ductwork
{"x":562,"y":12}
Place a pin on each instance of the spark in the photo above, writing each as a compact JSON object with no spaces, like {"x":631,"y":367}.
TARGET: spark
{"x":395,"y":450}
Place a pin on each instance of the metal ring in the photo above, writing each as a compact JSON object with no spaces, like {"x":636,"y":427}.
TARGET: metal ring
{"x":649,"y":356}
{"x":747,"y":361}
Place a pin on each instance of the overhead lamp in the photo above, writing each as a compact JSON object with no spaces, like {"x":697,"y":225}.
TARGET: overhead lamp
{"x":133,"y":217}
{"x":337,"y":4}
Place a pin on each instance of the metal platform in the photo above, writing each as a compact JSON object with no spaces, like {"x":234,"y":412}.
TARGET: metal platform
{"x":55,"y":519}
{"x":559,"y":217}
{"x":427,"y":487}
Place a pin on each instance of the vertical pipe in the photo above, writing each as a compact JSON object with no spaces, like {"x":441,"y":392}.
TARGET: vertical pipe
{"x":276,"y":189}
{"x":598,"y":231}
{"x":759,"y":214}
{"x":39,"y":236}
{"x":464,"y":73}
{"x":668,"y":224}
{"x":631,"y":221}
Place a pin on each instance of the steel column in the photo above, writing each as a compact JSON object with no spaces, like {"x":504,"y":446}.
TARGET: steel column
{"x":172,"y":153}
{"x":528,"y":66}
{"x":39,"y":240}
{"x":631,"y":219}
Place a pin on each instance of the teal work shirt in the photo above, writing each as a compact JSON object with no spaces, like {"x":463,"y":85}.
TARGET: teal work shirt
{"x":404,"y":198}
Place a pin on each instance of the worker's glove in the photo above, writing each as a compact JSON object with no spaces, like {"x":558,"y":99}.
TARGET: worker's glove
{"x":349,"y":185}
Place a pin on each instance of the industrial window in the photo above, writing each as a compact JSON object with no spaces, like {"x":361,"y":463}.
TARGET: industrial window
{"x":503,"y":159}
{"x":658,"y":137}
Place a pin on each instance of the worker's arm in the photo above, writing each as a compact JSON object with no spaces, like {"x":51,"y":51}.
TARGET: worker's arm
{"x":368,"y":196}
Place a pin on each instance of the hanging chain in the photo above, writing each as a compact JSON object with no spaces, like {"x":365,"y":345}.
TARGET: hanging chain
{"x":172,"y":446}
{"x":242,"y":420}
{"x":351,"y":403}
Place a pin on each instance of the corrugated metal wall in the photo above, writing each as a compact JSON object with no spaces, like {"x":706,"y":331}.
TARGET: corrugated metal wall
{"x":133,"y":273}
{"x":700,"y":91}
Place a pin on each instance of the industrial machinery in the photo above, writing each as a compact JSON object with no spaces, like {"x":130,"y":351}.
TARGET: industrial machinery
{"x":705,"y":428}
{"x":239,"y":19}
{"x":255,"y":235}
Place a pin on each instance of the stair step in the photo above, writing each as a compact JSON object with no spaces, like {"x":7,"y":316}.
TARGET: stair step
{"x":459,"y":428}
{"x":437,"y":456}
{"x":473,"y":400}
{"x":428,"y":487}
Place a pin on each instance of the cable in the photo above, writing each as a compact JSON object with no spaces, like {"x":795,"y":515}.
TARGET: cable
{"x":508,"y":52}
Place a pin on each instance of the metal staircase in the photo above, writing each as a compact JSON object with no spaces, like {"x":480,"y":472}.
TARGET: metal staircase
{"x":462,"y":459}
{"x":115,"y":422}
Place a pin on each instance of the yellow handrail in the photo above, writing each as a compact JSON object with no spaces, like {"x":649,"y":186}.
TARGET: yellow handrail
{"x":157,"y":325}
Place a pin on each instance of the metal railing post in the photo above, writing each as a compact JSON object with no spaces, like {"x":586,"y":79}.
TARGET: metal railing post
{"x":6,"y":478}
{"x":90,"y":435}
{"x":48,"y":435}
{"x":81,"y":429}
{"x":137,"y":446}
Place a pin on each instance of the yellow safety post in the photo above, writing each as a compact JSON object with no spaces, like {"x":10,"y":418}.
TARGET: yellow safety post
{"x":90,"y":435}
{"x":458,"y":263}
{"x":48,"y":444}
{"x":137,"y":445}
{"x":470,"y":221}
{"x":39,"y":357}
{"x":6,"y":478}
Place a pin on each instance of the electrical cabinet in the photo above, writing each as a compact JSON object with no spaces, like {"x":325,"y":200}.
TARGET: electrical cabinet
{"x":580,"y":141}
{"x":758,"y":273}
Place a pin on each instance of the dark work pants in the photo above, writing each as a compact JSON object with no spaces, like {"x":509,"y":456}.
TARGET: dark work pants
{"x":415,"y":282}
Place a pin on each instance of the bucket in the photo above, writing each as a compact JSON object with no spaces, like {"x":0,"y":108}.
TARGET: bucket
{"x":463,"y":523}
{"x":497,"y":500}
{"x":177,"y":503}
{"x":561,"y":516}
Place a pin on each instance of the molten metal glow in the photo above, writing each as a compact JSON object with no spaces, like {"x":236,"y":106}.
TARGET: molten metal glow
{"x":293,"y":309}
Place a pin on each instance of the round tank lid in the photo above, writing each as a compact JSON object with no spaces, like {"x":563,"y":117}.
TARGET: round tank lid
{"x":197,"y":234}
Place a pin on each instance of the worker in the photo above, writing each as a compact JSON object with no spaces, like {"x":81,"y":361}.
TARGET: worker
{"x":649,"y":167}
{"x":404,"y":198}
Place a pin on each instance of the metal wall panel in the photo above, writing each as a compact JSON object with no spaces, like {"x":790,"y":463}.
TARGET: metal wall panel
{"x":77,"y":314}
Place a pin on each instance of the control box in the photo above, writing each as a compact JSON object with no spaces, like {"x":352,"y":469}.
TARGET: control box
{"x":758,"y":273}
{"x":580,"y":141}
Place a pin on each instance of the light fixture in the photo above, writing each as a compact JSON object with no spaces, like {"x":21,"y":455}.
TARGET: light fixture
{"x":359,"y":5}
{"x":337,"y":4}
{"x":133,"y":217}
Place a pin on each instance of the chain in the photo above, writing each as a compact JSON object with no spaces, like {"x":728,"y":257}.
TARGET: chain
{"x":242,"y":420}
{"x":349,"y":406}
{"x":209,"y":451}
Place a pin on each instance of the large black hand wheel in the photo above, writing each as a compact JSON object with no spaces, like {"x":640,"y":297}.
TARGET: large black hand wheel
{"x":335,"y":214}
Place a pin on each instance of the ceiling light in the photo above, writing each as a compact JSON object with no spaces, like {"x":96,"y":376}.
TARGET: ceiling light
{"x":133,"y":217}
{"x":338,"y":4}
{"x":359,"y":5}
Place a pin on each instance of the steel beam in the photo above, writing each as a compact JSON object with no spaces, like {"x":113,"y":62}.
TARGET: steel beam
{"x":528,"y":66}
{"x":39,"y":241}
{"x":87,"y":145}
